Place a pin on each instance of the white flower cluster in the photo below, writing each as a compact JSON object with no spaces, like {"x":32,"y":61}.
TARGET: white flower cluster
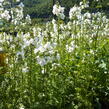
{"x":5,"y":15}
{"x":14,"y":14}
{"x":58,"y":11}
{"x":70,"y":48}
{"x":75,"y":12}
{"x":24,"y":41}
{"x":17,"y":15}
{"x":48,"y":40}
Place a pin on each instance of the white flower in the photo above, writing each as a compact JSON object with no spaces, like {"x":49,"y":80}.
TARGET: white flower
{"x":25,"y":69}
{"x":84,"y":5}
{"x":42,"y":49}
{"x":74,"y":12}
{"x":5,"y":15}
{"x":87,"y":15}
{"x":58,"y":56}
{"x":53,"y":21}
{"x":70,"y":47}
{"x":36,"y":50}
{"x":55,"y":27}
{"x":21,"y":5}
{"x":1,"y":0}
{"x":61,"y":9}
{"x":1,"y":6}
{"x":55,"y":10}
{"x":62,"y":16}
{"x":58,"y":11}
{"x":1,"y":49}
{"x":49,"y":59}
{"x":47,"y":45}
{"x":103,"y":65}
{"x":22,"y":108}
{"x":21,"y":53}
{"x":41,"y":61}
{"x":17,"y":15}
{"x":28,"y":42}
{"x":17,"y":0}
{"x":43,"y":71}
{"x":28,"y":19}
{"x":34,"y":33}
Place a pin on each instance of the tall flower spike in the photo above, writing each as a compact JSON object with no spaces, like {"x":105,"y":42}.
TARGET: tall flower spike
{"x":58,"y":11}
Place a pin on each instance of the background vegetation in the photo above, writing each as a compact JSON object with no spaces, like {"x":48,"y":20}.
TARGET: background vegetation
{"x":43,"y":8}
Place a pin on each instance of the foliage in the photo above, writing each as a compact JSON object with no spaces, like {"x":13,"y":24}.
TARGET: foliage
{"x":43,"y":8}
{"x":57,"y":65}
{"x":39,"y":8}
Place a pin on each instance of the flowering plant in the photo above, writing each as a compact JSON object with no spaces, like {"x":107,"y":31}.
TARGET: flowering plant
{"x":12,"y":14}
{"x":57,"y":65}
{"x":58,"y":11}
